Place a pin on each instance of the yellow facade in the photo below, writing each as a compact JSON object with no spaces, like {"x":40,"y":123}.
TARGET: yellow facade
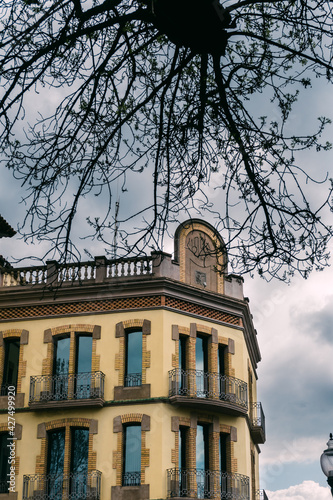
{"x":159,"y":299}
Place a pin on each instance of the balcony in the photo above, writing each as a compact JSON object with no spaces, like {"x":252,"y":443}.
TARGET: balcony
{"x":212,"y":391}
{"x":80,"y":389}
{"x":75,"y":486}
{"x":133,"y":380}
{"x":132,"y":478}
{"x":195,"y":483}
{"x":257,"y":423}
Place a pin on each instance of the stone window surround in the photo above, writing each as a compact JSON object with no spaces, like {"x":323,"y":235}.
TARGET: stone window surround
{"x":143,"y":391}
{"x":216,"y":428}
{"x":67,"y":423}
{"x":140,"y":492}
{"x":18,"y":437}
{"x":23,"y":335}
{"x":71,"y":330}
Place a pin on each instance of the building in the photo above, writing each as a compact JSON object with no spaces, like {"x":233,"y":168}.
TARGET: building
{"x":6,"y":231}
{"x":130,"y":378}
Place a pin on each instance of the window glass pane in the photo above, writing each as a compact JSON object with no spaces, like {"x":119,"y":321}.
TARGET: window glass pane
{"x":201,"y":354}
{"x":202,"y":460}
{"x":223,"y":452}
{"x":133,"y":358}
{"x":56,"y":450}
{"x":182,"y":448}
{"x":55,"y":463}
{"x":12,"y":353}
{"x":80,"y":447}
{"x":200,"y":448}
{"x":182,"y":353}
{"x":61,"y":356}
{"x":221,"y":364}
{"x":79,"y":463}
{"x":4,"y":465}
{"x":61,"y":368}
{"x":83,"y":353}
{"x":221,"y":371}
{"x":83,"y":366}
{"x":132,"y":455}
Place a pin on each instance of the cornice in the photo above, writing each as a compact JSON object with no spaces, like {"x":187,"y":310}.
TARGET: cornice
{"x":134,"y":287}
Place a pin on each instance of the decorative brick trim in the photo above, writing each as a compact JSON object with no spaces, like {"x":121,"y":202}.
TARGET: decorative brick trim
{"x":200,"y":310}
{"x":91,"y":306}
{"x":175,"y":450}
{"x":66,"y":423}
{"x":231,"y":460}
{"x":133,"y":323}
{"x":110,"y":305}
{"x":118,"y":427}
{"x":23,"y":336}
{"x":204,"y":329}
{"x":185,"y":421}
{"x":184,"y":330}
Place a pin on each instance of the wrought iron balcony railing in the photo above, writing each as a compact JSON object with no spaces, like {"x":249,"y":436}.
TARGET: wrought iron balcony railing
{"x":133,"y":380}
{"x":257,"y":415}
{"x":4,"y":389}
{"x":75,"y":486}
{"x":196,"y":483}
{"x":132,"y":478}
{"x":257,"y":421}
{"x":200,"y":384}
{"x":76,"y":386}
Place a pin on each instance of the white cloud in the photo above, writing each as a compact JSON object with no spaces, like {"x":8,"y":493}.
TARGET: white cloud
{"x":308,"y":490}
{"x":301,"y":450}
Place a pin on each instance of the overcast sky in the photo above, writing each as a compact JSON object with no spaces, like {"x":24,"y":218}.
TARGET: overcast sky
{"x":294,"y":325}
